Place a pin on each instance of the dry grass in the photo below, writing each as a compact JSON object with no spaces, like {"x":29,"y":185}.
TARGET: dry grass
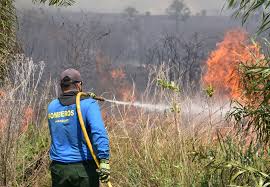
{"x":157,"y":148}
{"x":22,"y":109}
{"x":179,"y":148}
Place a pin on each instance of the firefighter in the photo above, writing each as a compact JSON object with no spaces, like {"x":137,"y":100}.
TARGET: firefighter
{"x":72,"y":164}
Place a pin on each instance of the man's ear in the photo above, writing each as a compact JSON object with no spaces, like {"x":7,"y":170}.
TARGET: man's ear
{"x":79,"y":86}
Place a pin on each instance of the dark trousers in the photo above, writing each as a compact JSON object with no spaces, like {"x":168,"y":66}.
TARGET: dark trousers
{"x":81,"y":174}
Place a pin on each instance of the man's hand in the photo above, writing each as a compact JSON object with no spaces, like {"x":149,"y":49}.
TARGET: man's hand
{"x":104,"y":171}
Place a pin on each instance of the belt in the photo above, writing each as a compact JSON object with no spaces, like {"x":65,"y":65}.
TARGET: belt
{"x":71,"y":163}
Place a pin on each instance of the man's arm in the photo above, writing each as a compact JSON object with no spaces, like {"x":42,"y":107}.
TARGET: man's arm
{"x":99,"y":134}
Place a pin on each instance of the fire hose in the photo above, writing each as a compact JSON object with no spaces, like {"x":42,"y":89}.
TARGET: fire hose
{"x":85,"y":134}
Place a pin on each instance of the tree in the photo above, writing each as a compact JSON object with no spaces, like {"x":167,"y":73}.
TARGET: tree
{"x":8,"y":22}
{"x":8,"y":26}
{"x":131,"y":12}
{"x":7,"y":29}
{"x":203,"y":13}
{"x":148,"y":13}
{"x":178,"y":11}
{"x":133,"y":28}
{"x":183,"y":57}
{"x":246,"y":9}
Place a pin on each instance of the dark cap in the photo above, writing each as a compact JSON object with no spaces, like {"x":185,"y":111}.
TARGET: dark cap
{"x":72,"y":74}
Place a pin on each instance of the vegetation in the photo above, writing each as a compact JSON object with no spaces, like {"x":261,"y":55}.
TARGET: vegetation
{"x":8,"y":23}
{"x":7,"y":34}
{"x":253,"y":113}
{"x":131,"y":12}
{"x":149,"y":149}
{"x":170,"y":148}
{"x":8,"y":26}
{"x":23,"y":146}
{"x":248,"y":8}
{"x":178,"y":11}
{"x":56,"y":2}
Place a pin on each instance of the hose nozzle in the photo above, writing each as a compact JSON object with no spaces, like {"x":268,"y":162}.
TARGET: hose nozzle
{"x":94,"y":96}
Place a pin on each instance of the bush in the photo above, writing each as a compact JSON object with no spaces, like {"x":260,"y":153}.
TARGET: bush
{"x":22,"y":114}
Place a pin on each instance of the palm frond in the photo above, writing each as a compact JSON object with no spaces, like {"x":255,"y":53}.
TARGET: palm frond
{"x":7,"y":27}
{"x":246,"y":8}
{"x":56,"y":2}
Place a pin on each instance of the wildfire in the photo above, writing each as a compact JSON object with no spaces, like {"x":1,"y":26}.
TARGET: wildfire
{"x":27,"y":118}
{"x":122,"y":85}
{"x":222,"y":65}
{"x":113,"y":79}
{"x":118,"y":74}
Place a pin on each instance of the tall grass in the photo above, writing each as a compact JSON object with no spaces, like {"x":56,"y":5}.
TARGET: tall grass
{"x":160,"y":148}
{"x":188,"y":145}
{"x":22,"y":113}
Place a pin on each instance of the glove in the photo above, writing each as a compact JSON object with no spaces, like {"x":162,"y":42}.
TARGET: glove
{"x":104,"y":171}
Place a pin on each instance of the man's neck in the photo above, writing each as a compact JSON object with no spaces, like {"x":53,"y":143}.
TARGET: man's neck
{"x":68,"y":91}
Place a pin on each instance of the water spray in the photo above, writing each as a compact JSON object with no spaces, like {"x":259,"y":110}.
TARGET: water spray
{"x":194,"y":108}
{"x":150,"y":107}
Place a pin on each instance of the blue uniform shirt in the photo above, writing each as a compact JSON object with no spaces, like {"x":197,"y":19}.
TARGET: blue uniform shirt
{"x":67,"y":141}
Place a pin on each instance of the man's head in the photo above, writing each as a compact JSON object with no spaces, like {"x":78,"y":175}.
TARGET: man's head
{"x":71,"y":80}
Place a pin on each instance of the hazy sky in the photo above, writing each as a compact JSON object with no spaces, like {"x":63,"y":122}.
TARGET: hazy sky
{"x":154,"y":6}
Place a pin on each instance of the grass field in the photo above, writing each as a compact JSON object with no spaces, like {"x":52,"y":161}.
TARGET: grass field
{"x":185,"y":146}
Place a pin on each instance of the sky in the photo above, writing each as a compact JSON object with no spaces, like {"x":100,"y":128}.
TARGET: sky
{"x":154,"y":6}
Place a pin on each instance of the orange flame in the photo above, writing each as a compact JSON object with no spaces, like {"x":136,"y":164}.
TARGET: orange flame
{"x":118,"y":74}
{"x":124,"y":89}
{"x":113,"y":79}
{"x":28,"y":115}
{"x":27,"y":118}
{"x":222,"y":65}
{"x":3,"y":123}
